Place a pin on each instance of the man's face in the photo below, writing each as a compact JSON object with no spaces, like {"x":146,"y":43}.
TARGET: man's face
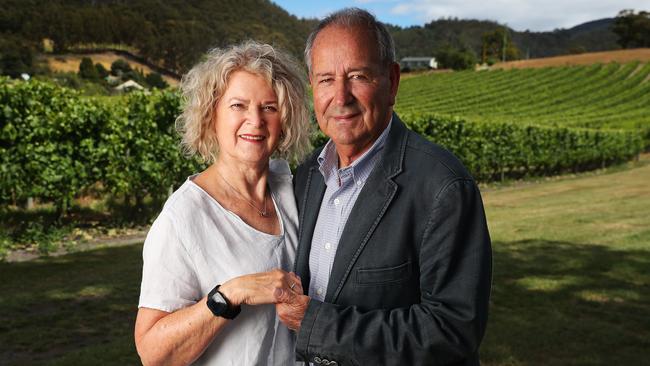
{"x":353,"y":92}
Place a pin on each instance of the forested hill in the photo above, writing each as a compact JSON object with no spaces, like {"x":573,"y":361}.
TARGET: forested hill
{"x":459,"y":33}
{"x":172,"y":33}
{"x":175,"y":33}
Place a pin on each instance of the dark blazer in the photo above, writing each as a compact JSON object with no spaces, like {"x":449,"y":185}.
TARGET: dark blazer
{"x":411,"y":278}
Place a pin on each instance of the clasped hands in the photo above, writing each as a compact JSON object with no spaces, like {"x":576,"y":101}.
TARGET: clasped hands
{"x":284,"y":289}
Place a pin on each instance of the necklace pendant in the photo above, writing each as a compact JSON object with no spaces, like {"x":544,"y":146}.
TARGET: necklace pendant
{"x":264,"y":214}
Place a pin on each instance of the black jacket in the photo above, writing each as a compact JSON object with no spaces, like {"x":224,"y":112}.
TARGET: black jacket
{"x":411,"y":278}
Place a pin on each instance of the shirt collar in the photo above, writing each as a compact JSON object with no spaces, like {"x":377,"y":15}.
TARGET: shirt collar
{"x":328,"y":160}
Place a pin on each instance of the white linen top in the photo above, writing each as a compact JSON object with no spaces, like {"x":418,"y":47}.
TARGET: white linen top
{"x":196,"y":244}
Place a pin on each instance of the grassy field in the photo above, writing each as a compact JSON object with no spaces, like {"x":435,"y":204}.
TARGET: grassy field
{"x":571,"y":283}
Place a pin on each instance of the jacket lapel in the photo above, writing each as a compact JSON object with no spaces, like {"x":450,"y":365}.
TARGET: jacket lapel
{"x":368,"y":210}
{"x":309,"y":208}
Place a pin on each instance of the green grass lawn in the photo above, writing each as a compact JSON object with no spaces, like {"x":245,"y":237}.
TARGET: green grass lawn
{"x":571,"y":283}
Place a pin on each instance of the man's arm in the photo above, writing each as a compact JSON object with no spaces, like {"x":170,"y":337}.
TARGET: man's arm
{"x":446,"y":327}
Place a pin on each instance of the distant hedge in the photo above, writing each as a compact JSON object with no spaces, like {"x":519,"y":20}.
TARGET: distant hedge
{"x":56,"y":144}
{"x":493,"y":151}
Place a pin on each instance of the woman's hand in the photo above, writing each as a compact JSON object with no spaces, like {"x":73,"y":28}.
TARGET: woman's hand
{"x":261,"y":288}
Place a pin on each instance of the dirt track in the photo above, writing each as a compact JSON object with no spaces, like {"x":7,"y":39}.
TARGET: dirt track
{"x":620,"y":56}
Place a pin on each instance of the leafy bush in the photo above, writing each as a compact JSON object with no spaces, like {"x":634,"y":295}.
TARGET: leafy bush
{"x":47,"y":142}
{"x":495,"y":150}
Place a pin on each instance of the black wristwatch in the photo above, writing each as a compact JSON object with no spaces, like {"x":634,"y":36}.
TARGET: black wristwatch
{"x":220,"y":306}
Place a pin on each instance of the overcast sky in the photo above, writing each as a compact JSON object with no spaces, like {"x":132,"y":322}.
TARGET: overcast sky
{"x":518,"y":14}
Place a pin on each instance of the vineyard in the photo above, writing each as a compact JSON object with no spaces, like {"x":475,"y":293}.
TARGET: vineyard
{"x":596,"y":96}
{"x":57,"y":146}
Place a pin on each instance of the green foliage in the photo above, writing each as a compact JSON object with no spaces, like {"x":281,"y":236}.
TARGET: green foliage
{"x":498,"y":45}
{"x":16,"y":56}
{"x":54,"y":144}
{"x":141,"y":149}
{"x":47,"y":142}
{"x":495,"y":150}
{"x":456,"y":59}
{"x":101,"y":70}
{"x":155,"y":80}
{"x":120,"y":67}
{"x":597,"y":96}
{"x":632,"y":29}
{"x":87,"y":70}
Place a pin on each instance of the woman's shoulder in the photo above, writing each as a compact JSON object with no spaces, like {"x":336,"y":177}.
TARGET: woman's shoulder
{"x":279,"y":170}
{"x":186,"y":201}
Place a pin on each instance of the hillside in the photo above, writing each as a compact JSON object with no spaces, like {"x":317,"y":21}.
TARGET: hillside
{"x":175,"y":33}
{"x":170,"y":33}
{"x":462,"y":33}
{"x":70,"y":63}
{"x":600,"y":95}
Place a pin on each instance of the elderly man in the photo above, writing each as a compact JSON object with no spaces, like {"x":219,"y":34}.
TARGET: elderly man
{"x":394,"y":248}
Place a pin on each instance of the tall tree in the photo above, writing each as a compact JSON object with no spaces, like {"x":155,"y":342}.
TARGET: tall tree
{"x":633,"y":29}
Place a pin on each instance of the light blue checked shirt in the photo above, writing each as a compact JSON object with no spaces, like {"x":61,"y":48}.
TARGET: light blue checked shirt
{"x":343,"y":188}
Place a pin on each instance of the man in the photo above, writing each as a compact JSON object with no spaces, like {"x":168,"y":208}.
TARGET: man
{"x":394,"y":248}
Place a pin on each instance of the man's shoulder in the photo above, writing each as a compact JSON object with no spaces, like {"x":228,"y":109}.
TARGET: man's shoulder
{"x":432,"y":160}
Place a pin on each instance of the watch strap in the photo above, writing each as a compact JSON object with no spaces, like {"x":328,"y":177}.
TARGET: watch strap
{"x":224,"y":310}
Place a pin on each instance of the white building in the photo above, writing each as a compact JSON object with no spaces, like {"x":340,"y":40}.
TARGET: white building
{"x":418,"y":63}
{"x":128,"y":85}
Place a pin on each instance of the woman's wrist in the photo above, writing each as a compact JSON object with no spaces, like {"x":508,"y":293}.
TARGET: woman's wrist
{"x":229,"y":290}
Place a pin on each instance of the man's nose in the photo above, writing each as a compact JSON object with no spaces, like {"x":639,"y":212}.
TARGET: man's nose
{"x":342,"y":93}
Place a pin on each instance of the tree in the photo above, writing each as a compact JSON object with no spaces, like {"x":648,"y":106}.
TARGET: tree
{"x":120,"y":67}
{"x":632,"y":29}
{"x":16,"y":56}
{"x":155,"y":80}
{"x":87,"y":70}
{"x":456,"y":59}
{"x":498,"y":46}
{"x":101,"y":70}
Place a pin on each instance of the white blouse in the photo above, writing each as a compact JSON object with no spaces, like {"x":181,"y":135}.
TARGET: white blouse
{"x":196,"y":244}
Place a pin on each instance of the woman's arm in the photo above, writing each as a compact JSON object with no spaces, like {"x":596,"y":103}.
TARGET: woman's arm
{"x":179,"y":338}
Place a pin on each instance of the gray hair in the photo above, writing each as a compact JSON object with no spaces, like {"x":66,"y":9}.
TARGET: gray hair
{"x":350,"y":17}
{"x":206,"y":82}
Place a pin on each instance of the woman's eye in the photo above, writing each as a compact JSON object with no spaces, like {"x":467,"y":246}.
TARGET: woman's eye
{"x":237,"y":106}
{"x":325,"y":81}
{"x":270,"y":108}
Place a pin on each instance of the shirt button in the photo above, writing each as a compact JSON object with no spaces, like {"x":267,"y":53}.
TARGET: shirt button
{"x":359,"y":183}
{"x":328,"y":246}
{"x":319,"y":291}
{"x":337,"y":201}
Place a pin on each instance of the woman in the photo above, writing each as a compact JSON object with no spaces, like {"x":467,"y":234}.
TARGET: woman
{"x":225,"y":238}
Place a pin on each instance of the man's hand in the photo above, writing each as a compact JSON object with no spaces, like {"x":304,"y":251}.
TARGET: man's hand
{"x":291,"y":306}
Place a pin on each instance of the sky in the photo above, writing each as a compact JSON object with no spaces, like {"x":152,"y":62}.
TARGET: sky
{"x":517,"y":14}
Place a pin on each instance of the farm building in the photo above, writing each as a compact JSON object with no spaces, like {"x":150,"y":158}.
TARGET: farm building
{"x":418,"y":63}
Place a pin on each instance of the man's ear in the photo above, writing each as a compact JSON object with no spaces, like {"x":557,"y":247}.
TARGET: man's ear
{"x":394,"y":75}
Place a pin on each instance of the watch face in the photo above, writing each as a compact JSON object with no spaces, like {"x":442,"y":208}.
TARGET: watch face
{"x":217,"y":297}
{"x":219,"y":304}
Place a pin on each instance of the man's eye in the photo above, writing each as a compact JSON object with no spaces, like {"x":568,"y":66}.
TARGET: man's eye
{"x":325,"y":81}
{"x":358,"y":77}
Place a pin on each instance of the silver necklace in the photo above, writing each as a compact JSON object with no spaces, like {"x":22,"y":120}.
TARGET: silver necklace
{"x":263,"y":213}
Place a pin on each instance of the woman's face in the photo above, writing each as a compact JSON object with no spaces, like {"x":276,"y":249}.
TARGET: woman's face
{"x":248,"y":124}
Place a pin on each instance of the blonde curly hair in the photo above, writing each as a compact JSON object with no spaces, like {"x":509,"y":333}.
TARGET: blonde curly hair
{"x":206,"y":82}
